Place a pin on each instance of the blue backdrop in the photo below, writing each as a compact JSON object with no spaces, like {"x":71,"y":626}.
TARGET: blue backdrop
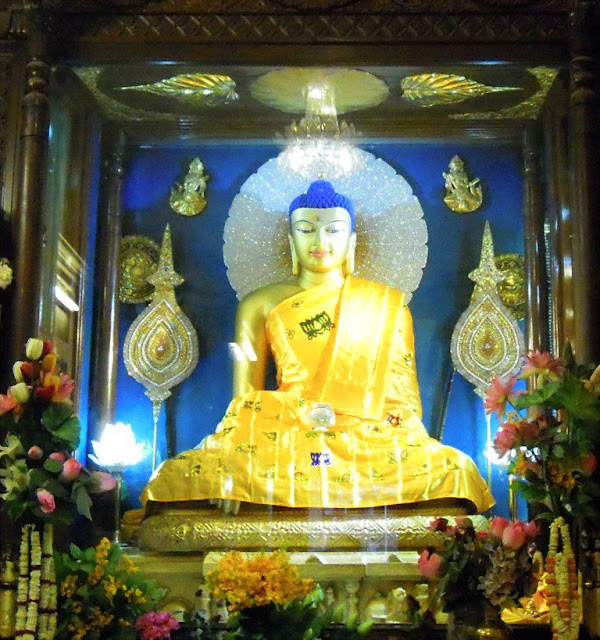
{"x":198,"y":404}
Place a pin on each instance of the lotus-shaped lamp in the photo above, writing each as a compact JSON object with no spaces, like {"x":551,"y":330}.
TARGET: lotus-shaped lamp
{"x":117,"y":448}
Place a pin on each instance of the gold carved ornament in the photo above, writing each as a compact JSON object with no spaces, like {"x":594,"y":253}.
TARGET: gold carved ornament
{"x":487,"y":341}
{"x":161,"y":346}
{"x":462,"y":195}
{"x":431,"y":89}
{"x":529,"y":108}
{"x":512,"y":289}
{"x":138,"y":261}
{"x":189,"y":198}
{"x":194,"y":89}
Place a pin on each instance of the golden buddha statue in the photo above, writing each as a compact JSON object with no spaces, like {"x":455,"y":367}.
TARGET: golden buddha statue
{"x":343,"y":429}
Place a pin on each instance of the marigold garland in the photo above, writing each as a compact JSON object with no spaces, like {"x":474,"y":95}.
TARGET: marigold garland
{"x":563,"y":596}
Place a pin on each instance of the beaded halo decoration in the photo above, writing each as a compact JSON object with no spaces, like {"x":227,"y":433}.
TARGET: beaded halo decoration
{"x":391,"y":233}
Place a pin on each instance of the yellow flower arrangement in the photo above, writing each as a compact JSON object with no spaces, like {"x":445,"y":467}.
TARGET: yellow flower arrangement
{"x":269,"y":599}
{"x":257,"y":581}
{"x":101,"y":594}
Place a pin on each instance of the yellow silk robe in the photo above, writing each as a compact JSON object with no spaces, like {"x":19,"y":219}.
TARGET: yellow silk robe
{"x":352,"y":348}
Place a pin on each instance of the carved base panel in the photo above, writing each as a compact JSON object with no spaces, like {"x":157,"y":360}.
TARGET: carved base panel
{"x":207,"y":529}
{"x":373,"y":584}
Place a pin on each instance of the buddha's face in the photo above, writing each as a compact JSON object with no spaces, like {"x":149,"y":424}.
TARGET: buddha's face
{"x":321,"y":238}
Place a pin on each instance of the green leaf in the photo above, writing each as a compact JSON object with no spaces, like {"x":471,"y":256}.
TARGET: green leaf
{"x":53,"y":466}
{"x":538,"y":396}
{"x":39,"y":478}
{"x":56,"y":414}
{"x":558,"y":451}
{"x":55,"y":487}
{"x":69,"y":432}
{"x":577,"y":400}
{"x":82,"y":501}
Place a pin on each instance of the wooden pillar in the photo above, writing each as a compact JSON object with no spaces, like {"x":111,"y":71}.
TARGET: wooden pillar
{"x":535,"y":249}
{"x":584,"y":138}
{"x":106,"y":329}
{"x":561,"y":238}
{"x":27,"y":216}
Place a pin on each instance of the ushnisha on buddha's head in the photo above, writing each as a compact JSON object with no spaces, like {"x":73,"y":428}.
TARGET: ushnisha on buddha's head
{"x":322,"y":237}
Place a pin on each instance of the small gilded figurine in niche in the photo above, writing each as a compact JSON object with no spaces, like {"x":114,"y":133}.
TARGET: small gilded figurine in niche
{"x":188,"y":199}
{"x":462,"y":195}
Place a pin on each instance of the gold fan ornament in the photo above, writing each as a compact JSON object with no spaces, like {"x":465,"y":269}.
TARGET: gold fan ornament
{"x":161,"y":346}
{"x":431,"y":89}
{"x":195,"y":89}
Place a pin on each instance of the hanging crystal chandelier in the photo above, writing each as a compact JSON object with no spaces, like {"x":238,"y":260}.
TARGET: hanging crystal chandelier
{"x":319,"y":145}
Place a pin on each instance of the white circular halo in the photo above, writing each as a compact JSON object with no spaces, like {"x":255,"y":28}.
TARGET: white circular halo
{"x":391,"y":233}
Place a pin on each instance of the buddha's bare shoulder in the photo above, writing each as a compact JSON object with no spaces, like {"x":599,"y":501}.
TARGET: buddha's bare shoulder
{"x":264,"y":299}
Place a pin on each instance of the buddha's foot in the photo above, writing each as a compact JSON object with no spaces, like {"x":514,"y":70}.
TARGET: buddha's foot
{"x":227,"y":506}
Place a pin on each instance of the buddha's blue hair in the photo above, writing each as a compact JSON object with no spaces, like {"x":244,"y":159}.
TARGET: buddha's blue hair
{"x":321,"y":195}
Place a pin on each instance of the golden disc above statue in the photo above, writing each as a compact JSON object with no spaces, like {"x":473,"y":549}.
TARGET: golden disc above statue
{"x":285,"y":89}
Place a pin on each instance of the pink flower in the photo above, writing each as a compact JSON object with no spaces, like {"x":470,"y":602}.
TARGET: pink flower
{"x":429,"y":564}
{"x":532,"y":531}
{"x":530,"y":432}
{"x":438,"y":524}
{"x":70,"y":470}
{"x":506,"y":439}
{"x":7,"y":403}
{"x":482,"y":536}
{"x":588,"y":464}
{"x":498,"y":395}
{"x":65,"y":388}
{"x":46,"y":500}
{"x":153,"y":626}
{"x":35,"y":453}
{"x":514,"y":535}
{"x":542,"y":365}
{"x":497,"y":526}
{"x":57,"y":455}
{"x":102,"y":482}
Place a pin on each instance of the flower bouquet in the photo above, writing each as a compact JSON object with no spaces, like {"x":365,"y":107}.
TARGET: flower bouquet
{"x":548,"y":435}
{"x":474,"y":568}
{"x":267,"y":599}
{"x":101,"y":595}
{"x":41,"y":480}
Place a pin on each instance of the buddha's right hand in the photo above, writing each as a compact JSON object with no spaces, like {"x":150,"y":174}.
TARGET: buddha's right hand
{"x":230,"y":507}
